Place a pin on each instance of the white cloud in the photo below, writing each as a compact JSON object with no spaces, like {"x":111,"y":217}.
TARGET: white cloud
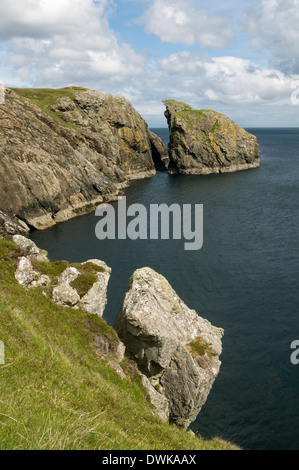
{"x":61,"y":42}
{"x":177,"y":21}
{"x":274,"y":25}
{"x":224,"y":80}
{"x":250,"y":94}
{"x":41,"y":18}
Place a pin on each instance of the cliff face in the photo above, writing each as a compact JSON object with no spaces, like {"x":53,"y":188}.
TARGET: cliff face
{"x":203,"y":142}
{"x":176,"y":350}
{"x":62,"y":152}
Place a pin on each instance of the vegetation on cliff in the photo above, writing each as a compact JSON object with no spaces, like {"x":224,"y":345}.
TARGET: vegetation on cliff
{"x":65,"y":151}
{"x":205,"y":141}
{"x":58,"y":390}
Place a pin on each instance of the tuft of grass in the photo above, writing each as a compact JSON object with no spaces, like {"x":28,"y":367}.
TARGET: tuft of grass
{"x":54,"y":269}
{"x":215,"y":127}
{"x":199,"y":347}
{"x":57,"y":393}
{"x":84,"y":282}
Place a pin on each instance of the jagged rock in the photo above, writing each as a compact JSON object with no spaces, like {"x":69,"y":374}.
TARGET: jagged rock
{"x":30,"y":248}
{"x":63,"y":152}
{"x":203,"y":142}
{"x":177,"y":350}
{"x":65,"y":295}
{"x":96,"y":298}
{"x":116,"y":368}
{"x":28,"y":277}
{"x":10,"y":225}
{"x":94,"y":301}
{"x":159,"y":401}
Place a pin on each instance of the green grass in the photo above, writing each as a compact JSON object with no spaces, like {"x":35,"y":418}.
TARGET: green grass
{"x":55,"y":391}
{"x":199,"y":347}
{"x":45,"y":98}
{"x":84,"y":282}
{"x":215,"y":127}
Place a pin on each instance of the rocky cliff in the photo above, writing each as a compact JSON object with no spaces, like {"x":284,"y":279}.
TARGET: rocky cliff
{"x":62,"y":152}
{"x":204,"y":141}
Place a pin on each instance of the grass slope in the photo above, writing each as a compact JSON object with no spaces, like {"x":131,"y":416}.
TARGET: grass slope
{"x":55,"y":391}
{"x":45,"y":98}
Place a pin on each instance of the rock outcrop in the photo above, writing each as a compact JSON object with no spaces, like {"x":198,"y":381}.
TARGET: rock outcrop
{"x":176,"y":350}
{"x":83,"y":285}
{"x":203,"y":142}
{"x":63,"y":152}
{"x":95,"y":299}
{"x":10,"y":225}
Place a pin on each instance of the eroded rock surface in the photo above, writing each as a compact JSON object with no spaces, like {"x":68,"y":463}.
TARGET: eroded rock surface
{"x":63,"y":152}
{"x":204,"y":141}
{"x":93,"y":277}
{"x":177,"y":350}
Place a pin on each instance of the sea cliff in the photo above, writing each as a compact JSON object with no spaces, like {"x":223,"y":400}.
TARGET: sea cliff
{"x":205,"y":141}
{"x":65,"y":151}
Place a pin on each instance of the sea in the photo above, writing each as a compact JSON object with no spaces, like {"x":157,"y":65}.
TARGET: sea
{"x":244,"y":279}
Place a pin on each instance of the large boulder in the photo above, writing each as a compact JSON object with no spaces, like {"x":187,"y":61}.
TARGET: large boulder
{"x":176,"y":349}
{"x":204,"y":141}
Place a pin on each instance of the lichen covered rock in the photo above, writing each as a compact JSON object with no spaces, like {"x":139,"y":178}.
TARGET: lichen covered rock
{"x":63,"y":152}
{"x":177,"y":350}
{"x":81,"y":285}
{"x":204,"y":141}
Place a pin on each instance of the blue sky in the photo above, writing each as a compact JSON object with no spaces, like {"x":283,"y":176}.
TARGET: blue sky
{"x":239,"y":58}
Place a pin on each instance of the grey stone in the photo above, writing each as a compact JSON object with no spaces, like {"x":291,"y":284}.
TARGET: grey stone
{"x":27,"y":276}
{"x":96,"y":298}
{"x":30,"y":248}
{"x":176,"y":349}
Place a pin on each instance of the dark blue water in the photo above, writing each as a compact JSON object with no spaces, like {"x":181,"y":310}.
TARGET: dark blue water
{"x":244,"y":279}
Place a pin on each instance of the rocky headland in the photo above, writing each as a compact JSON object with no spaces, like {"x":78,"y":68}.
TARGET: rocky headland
{"x":204,"y":142}
{"x":65,"y":151}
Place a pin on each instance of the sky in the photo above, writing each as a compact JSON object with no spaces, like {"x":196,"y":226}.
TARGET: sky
{"x":240,"y":58}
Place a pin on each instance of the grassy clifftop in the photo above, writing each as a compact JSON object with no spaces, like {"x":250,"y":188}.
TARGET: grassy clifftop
{"x":57,"y":391}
